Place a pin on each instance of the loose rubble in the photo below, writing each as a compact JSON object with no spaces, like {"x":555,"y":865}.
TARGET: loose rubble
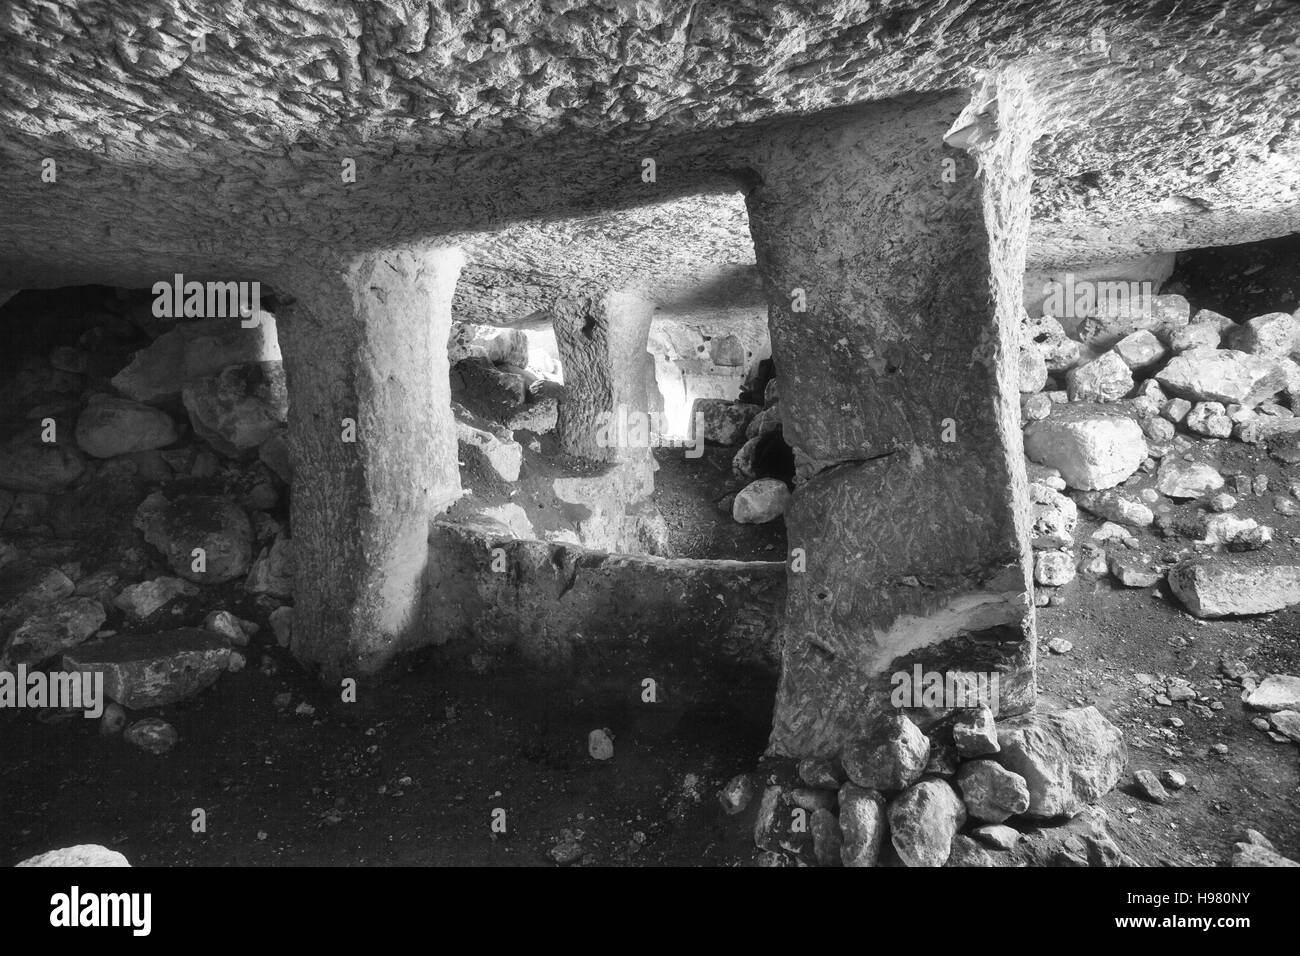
{"x":962,"y":794}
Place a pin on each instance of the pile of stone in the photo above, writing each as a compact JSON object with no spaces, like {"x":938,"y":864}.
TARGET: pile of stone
{"x":492,"y":381}
{"x":143,"y":494}
{"x":763,"y":497}
{"x":962,"y":795}
{"x":1276,"y":699}
{"x":1129,"y":416}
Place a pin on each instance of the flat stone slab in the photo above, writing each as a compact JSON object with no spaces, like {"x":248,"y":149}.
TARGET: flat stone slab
{"x":1222,"y":375}
{"x":1211,"y":588}
{"x":154,"y":670}
{"x":1278,"y":692}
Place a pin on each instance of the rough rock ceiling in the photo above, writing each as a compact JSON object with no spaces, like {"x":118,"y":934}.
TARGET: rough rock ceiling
{"x":1174,"y":124}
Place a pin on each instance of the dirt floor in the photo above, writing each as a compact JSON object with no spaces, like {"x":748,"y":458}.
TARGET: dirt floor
{"x":412,"y":772}
{"x":688,"y":492}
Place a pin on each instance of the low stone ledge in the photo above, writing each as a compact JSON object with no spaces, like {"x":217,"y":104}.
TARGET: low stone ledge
{"x":550,"y":599}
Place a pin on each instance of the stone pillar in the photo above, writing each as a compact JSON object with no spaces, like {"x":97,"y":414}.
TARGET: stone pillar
{"x":602,"y":341}
{"x":365,"y":355}
{"x":898,"y":392}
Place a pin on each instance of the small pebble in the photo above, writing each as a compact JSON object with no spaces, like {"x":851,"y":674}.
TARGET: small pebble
{"x":737,"y":794}
{"x":600,"y":745}
{"x":113,"y":720}
{"x":1173,"y":779}
{"x":151,"y":734}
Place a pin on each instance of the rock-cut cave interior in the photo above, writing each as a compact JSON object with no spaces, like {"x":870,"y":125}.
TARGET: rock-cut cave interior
{"x":623,"y":433}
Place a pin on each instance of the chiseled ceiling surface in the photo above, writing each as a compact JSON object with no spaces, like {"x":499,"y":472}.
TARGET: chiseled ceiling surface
{"x":517,"y":128}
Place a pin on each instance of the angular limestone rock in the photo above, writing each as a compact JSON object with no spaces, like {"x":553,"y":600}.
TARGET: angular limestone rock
{"x":923,"y":820}
{"x":84,"y":854}
{"x":538,"y":416}
{"x":52,"y":629}
{"x":1090,"y":446}
{"x":1068,"y":759}
{"x":768,"y":420}
{"x":1198,"y":335}
{"x":216,"y":525}
{"x":828,"y":843}
{"x":31,"y":465}
{"x":1222,"y":375}
{"x":1133,"y":569}
{"x":1140,"y":349}
{"x":117,"y":426}
{"x":1185,"y":479}
{"x":153,"y":670}
{"x":192,"y":350}
{"x":724,"y":421}
{"x":862,"y":825}
{"x":1055,"y":517}
{"x":892,"y":758}
{"x":991,"y":792}
{"x":1060,"y":352}
{"x":1275,"y":335}
{"x":272,"y":572}
{"x":1251,"y":854}
{"x":736,"y":794}
{"x":1163,"y":315}
{"x":143,"y":599}
{"x":239,"y":408}
{"x":761,"y":501}
{"x":1278,"y":692}
{"x":997,"y":836}
{"x":1031,"y":370}
{"x":152,"y":734}
{"x":1054,"y":568}
{"x":1208,"y":419}
{"x":1212,"y":588}
{"x":966,"y":852}
{"x":1117,"y":506}
{"x":975,"y":733}
{"x":24,"y":591}
{"x":1105,"y":379}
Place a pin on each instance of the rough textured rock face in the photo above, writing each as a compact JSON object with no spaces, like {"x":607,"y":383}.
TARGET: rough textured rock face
{"x":450,"y":133}
{"x":193,"y":350}
{"x":602,"y":345}
{"x":916,"y":544}
{"x":85,"y":854}
{"x":154,"y":670}
{"x":1067,"y":759}
{"x":718,"y":610}
{"x":360,"y":512}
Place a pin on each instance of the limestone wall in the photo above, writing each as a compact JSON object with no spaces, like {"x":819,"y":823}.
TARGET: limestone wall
{"x":549,"y":601}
